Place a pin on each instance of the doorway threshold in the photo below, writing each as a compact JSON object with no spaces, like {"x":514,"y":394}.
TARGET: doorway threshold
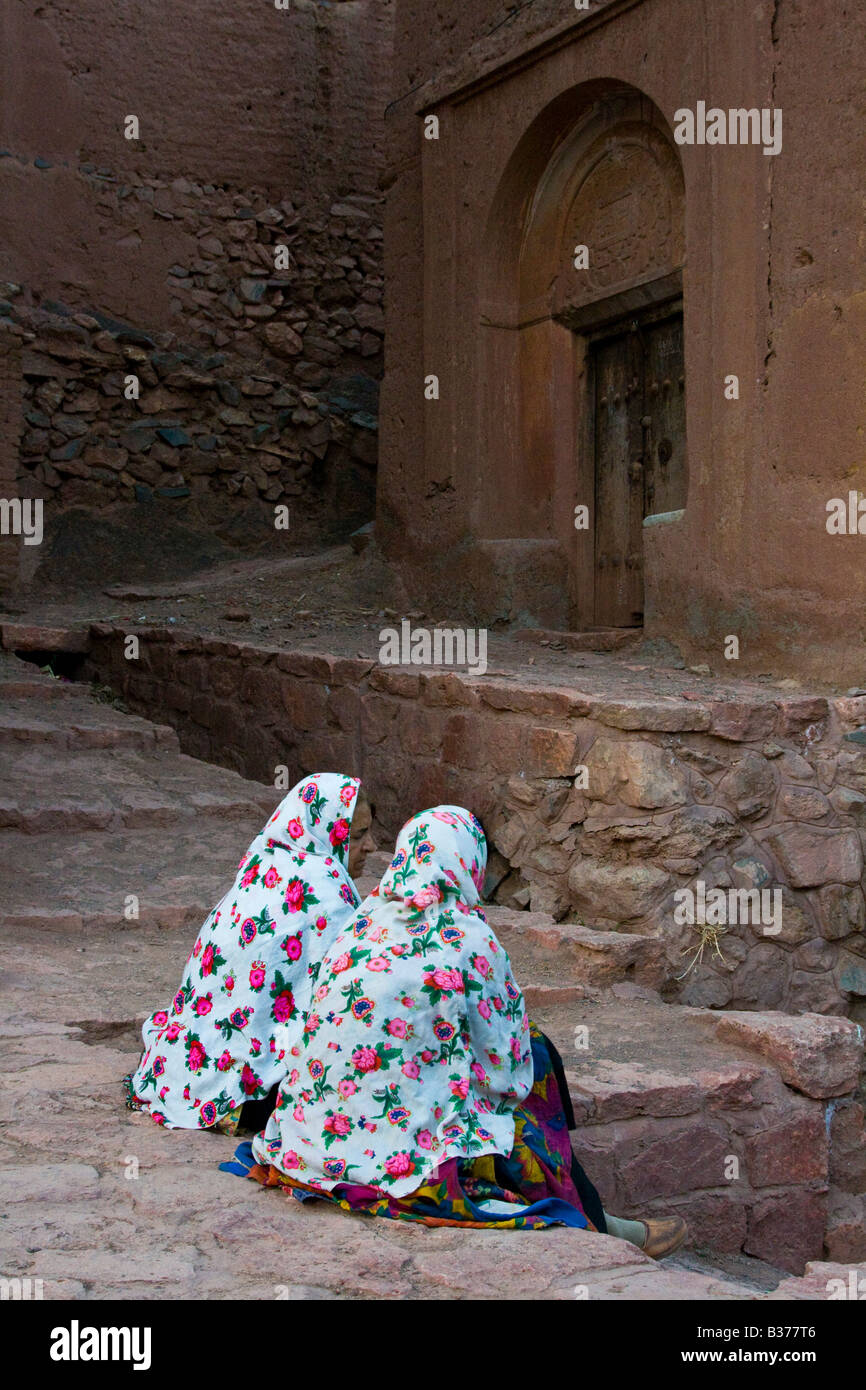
{"x":591,"y":639}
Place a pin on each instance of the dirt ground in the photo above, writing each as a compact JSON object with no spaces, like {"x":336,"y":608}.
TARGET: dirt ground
{"x":337,"y":600}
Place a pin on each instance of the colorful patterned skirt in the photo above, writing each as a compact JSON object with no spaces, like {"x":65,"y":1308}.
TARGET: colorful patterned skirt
{"x":539,"y":1184}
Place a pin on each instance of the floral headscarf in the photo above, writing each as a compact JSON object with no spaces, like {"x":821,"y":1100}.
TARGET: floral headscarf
{"x":416,"y":1048}
{"x":249,"y":970}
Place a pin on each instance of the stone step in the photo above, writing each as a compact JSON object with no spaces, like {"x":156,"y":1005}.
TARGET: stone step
{"x":594,"y":639}
{"x":84,"y":881}
{"x":731,"y":1130}
{"x":77,"y":721}
{"x":728,"y":1119}
{"x":37,"y":637}
{"x":50,"y":788}
{"x":20,"y":679}
{"x":76,"y":1037}
{"x":560,"y":955}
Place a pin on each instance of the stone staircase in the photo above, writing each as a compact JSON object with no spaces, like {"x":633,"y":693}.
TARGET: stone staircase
{"x":114,"y":845}
{"x":750,"y":1125}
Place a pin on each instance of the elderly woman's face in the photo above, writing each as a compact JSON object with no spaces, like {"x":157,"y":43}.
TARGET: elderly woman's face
{"x":362,"y":842}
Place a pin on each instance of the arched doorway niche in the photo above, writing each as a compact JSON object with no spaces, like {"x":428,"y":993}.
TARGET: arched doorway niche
{"x":582,"y":350}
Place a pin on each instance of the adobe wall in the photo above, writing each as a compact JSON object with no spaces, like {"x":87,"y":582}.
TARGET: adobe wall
{"x":773,"y":294}
{"x":155,"y":256}
{"x":749,"y":793}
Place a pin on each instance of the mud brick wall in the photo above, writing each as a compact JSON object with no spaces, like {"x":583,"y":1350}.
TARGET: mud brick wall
{"x":746,"y":794}
{"x":268,"y":389}
{"x":156,"y":257}
{"x":774,"y":270}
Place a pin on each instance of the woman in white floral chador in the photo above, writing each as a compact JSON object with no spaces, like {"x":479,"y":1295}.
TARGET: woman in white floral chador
{"x":249,"y":970}
{"x":417,"y":1047}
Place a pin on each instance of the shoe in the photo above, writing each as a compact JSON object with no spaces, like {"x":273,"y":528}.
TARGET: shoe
{"x":664,"y":1235}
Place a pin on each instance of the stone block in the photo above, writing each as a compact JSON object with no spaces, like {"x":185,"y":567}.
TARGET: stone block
{"x":809,"y":992}
{"x":851,"y":710}
{"x":786,"y":1229}
{"x":750,"y":872}
{"x":840,"y":910}
{"x":421,"y":730}
{"x":816,"y":1055}
{"x":762,"y":978}
{"x":845,"y":1238}
{"x":622,"y":1090}
{"x":262,"y":690}
{"x":731,"y":1086}
{"x":637,"y":772}
{"x":849,"y":804}
{"x":824,"y":1280}
{"x":663,"y":715}
{"x":483,"y":745}
{"x":674,"y":1159}
{"x":377,"y":718}
{"x":742,"y":721}
{"x":798,"y":714}
{"x":848,"y":1146}
{"x":811,"y":856}
{"x":816,"y":954}
{"x":803,"y":803}
{"x":796,"y":924}
{"x":33,"y":637}
{"x":618,"y":892}
{"x":304,"y":701}
{"x":851,"y":974}
{"x":793,"y":1150}
{"x":344,"y":708}
{"x":696,"y":829}
{"x":448,"y":689}
{"x":551,"y":752}
{"x":395,"y":682}
{"x":718,"y":1220}
{"x":750,"y":786}
{"x":520,"y":699}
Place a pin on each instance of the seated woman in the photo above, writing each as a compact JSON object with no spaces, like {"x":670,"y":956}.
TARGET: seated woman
{"x":248,"y":972}
{"x":416,"y":1087}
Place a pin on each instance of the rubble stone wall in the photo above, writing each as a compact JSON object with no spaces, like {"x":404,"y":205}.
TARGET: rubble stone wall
{"x":11,"y":547}
{"x":745,"y":794}
{"x":257,"y":369}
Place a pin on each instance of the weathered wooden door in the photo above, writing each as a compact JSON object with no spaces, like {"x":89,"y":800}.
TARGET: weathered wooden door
{"x":640,"y":454}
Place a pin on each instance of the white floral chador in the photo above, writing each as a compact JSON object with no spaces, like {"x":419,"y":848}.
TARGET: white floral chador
{"x":249,"y":970}
{"x":417,"y":1047}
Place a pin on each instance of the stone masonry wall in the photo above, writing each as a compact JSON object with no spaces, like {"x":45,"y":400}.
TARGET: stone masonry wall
{"x":156,"y":257}
{"x":765,"y":793}
{"x":11,"y":548}
{"x":267,"y":390}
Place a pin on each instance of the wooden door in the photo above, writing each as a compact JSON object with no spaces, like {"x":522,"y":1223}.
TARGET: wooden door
{"x":665,"y":416}
{"x":640,"y":454}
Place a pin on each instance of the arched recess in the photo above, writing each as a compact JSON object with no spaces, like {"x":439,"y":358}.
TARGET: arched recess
{"x":579,"y":352}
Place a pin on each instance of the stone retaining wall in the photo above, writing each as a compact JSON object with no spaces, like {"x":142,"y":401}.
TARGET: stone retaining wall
{"x":744,"y":793}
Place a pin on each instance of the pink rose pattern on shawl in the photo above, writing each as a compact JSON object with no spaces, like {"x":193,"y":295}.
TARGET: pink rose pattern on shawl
{"x":251,"y":968}
{"x":419,"y":1048}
